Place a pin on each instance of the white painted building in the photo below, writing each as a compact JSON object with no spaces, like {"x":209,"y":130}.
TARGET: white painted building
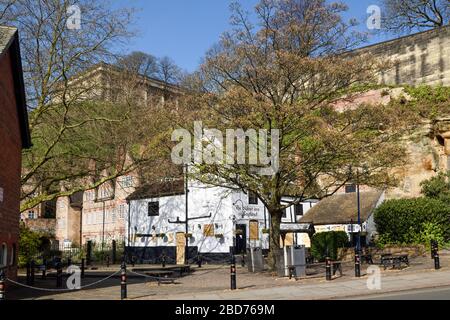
{"x":215,"y":216}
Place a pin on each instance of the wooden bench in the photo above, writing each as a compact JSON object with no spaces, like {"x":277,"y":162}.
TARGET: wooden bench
{"x":367,"y":258}
{"x":336,"y":266}
{"x":394,"y":260}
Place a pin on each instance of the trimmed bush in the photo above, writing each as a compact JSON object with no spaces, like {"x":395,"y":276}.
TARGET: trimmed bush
{"x":413,"y":221}
{"x":328,"y":243}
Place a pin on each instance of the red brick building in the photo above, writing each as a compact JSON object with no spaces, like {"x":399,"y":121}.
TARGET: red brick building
{"x":14,"y":136}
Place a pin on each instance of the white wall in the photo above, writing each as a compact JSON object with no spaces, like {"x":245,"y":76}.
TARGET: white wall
{"x":202,"y":202}
{"x":223,"y":204}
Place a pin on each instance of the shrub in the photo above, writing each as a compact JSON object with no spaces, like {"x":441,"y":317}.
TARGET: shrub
{"x":324,"y":243}
{"x":413,"y":221}
{"x":29,"y":245}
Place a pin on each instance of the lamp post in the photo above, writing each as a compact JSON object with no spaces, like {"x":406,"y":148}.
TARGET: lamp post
{"x":358,"y":242}
{"x":233,"y":259}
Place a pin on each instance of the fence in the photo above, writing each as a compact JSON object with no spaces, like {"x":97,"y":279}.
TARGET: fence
{"x":109,"y":253}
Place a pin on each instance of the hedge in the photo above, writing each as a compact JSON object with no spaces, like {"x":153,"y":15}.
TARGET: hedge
{"x":413,"y":221}
{"x":332,"y":240}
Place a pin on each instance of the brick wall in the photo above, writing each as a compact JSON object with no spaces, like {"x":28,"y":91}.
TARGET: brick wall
{"x":10,"y":163}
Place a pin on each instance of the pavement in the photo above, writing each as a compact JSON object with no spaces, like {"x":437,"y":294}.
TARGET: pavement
{"x":325,"y":290}
{"x":211,"y":282}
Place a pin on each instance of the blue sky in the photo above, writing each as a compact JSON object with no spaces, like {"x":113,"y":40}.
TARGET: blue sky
{"x":185,"y":29}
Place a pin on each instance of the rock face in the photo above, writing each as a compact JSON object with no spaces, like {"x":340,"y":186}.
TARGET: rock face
{"x":428,"y":148}
{"x":429,"y":153}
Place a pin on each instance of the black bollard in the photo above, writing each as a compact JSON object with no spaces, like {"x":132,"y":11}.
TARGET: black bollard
{"x":58,"y":275}
{"x":437,"y":264}
{"x":107,"y":261}
{"x":88,"y":253}
{"x":243,"y":261}
{"x":163,"y":260}
{"x":199,"y":261}
{"x":82,"y":267}
{"x":233,"y":269}
{"x":32,"y":267}
{"x":433,"y":248}
{"x":28,"y":279}
{"x":123,"y":281}
{"x":114,"y":252}
{"x":328,"y":268}
{"x":44,"y":269}
{"x":357,"y":265}
{"x":2,"y":285}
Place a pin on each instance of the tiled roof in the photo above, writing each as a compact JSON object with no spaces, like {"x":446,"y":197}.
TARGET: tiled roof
{"x":158,"y":189}
{"x":342,"y":208}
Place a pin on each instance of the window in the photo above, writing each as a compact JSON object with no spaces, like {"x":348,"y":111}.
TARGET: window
{"x":298,"y":209}
{"x":114,"y":214}
{"x":252,"y":198}
{"x":122,"y":211}
{"x":208,"y":230}
{"x":3,"y":255}
{"x":153,"y":208}
{"x":13,"y":255}
{"x":127,"y":181}
{"x":350,"y":188}
{"x":284,"y":213}
{"x":31,"y":214}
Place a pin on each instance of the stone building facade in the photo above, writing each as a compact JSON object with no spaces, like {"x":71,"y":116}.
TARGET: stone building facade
{"x":421,"y":58}
{"x":99,"y":215}
{"x":14,"y":136}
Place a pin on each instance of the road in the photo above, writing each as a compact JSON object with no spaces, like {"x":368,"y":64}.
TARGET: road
{"x":442,"y":293}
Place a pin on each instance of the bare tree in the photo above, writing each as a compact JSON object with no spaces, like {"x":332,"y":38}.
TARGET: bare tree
{"x":287,"y":75}
{"x":139,"y":62}
{"x":80,"y":139}
{"x":404,"y":15}
{"x":5,"y":6}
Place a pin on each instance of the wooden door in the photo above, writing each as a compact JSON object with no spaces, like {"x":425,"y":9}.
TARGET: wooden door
{"x":254,"y":230}
{"x":288,"y":239}
{"x":181,"y":244}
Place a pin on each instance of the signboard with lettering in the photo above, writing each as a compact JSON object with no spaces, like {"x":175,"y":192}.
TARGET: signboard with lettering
{"x":295,"y":226}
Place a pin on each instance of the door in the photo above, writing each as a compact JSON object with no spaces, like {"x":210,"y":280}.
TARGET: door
{"x":241,"y":236}
{"x":254,"y":231}
{"x":288,"y":239}
{"x":181,"y":247}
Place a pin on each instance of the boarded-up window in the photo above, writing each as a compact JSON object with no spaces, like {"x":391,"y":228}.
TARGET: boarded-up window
{"x":208,"y":230}
{"x":254,"y":232}
{"x":153,"y":208}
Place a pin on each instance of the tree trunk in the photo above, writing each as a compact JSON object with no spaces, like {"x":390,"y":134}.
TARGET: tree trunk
{"x":275,"y":218}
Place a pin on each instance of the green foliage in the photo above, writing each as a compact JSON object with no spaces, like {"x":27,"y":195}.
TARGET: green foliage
{"x":412,"y":221}
{"x":437,"y":187}
{"x":429,"y":102}
{"x":424,"y":93}
{"x":29,"y":245}
{"x":327,"y":243}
